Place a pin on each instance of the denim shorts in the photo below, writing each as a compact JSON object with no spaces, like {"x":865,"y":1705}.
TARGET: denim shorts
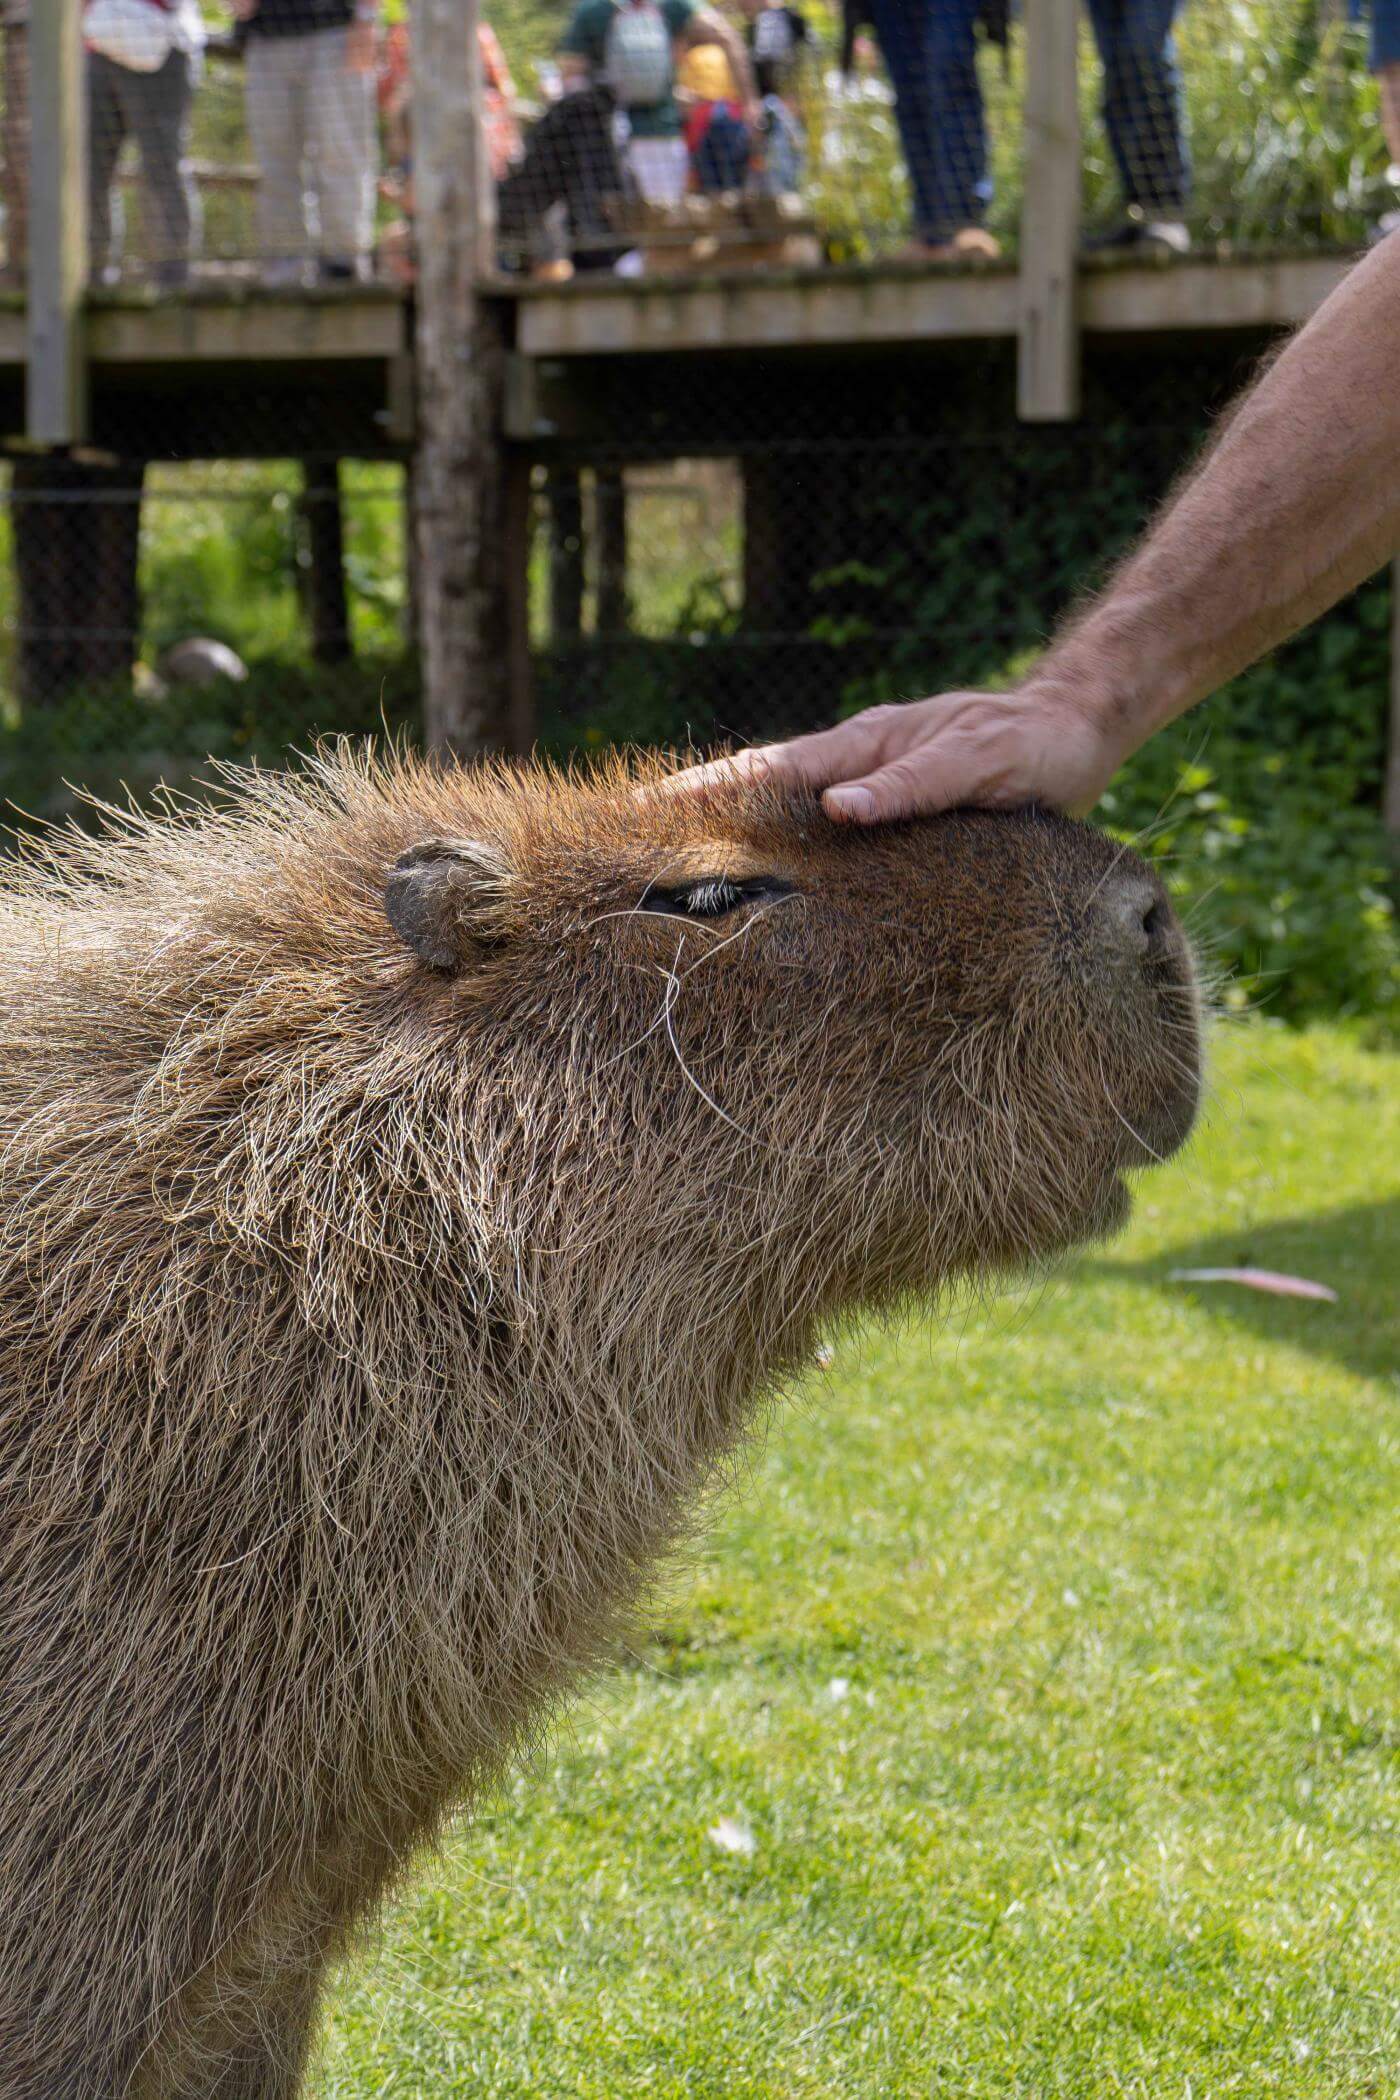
{"x":1385,"y":34}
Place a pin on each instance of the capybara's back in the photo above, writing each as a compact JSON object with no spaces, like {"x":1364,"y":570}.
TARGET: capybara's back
{"x":410,"y":1183}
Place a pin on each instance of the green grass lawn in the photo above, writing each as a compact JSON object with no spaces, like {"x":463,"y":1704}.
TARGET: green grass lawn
{"x":1050,"y":1663}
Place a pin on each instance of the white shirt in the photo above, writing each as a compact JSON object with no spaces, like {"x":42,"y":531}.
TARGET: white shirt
{"x":184,"y":25}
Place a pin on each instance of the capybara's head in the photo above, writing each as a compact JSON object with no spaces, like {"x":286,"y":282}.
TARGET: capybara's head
{"x":609,"y":1062}
{"x":851,"y":1061}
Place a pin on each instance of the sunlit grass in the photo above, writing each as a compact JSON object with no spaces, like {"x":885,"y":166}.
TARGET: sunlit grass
{"x":1051,"y":1664}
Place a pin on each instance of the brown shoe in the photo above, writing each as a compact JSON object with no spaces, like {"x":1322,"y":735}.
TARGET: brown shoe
{"x":968,"y":244}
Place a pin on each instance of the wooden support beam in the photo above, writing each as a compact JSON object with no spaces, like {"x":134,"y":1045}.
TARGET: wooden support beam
{"x":1390,"y":798}
{"x":610,"y":506}
{"x":56,"y":392}
{"x":1047,"y":386}
{"x":323,"y":554}
{"x":520,"y":521}
{"x":461,"y":479}
{"x":564,"y":496}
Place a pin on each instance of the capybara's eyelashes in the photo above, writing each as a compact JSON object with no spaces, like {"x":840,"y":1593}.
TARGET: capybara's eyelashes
{"x":713,"y":896}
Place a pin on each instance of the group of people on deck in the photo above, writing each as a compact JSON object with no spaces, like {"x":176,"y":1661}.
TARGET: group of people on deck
{"x":676,"y":95}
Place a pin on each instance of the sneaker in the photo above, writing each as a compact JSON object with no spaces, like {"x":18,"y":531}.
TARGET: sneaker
{"x":968,"y":244}
{"x":1164,"y":236}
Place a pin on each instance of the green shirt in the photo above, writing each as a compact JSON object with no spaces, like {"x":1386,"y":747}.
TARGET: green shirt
{"x":587,"y":37}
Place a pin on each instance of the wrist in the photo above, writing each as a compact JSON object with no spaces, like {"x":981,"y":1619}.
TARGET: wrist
{"x":1128,"y":669}
{"x":1120,"y":700}
{"x":1086,"y":701}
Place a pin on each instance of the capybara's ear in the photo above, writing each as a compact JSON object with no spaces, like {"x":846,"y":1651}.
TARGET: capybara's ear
{"x":449,"y":897}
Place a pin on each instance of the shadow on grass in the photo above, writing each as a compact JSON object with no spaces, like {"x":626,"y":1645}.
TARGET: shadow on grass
{"x":1356,"y":1251}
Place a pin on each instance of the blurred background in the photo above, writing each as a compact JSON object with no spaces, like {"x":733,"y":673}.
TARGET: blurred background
{"x":718,"y":545}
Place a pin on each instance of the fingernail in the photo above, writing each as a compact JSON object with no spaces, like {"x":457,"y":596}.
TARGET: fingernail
{"x":856,"y":805}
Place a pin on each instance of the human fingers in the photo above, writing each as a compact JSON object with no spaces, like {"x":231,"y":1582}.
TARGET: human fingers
{"x":843,"y":752}
{"x":912,"y":785}
{"x":749,"y":766}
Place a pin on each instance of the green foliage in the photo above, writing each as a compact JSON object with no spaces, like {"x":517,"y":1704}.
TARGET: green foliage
{"x":1262,"y":810}
{"x":1049,"y":1663}
{"x":1262,"y":807}
{"x":113,"y":740}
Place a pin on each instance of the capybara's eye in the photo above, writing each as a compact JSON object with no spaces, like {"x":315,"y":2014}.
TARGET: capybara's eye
{"x":711,"y":896}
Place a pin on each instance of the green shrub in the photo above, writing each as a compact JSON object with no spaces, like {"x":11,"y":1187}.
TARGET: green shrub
{"x":111,"y":740}
{"x":1263,"y":814}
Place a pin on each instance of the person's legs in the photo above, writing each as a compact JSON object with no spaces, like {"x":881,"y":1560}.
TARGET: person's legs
{"x":106,"y":131}
{"x":340,"y":132}
{"x":1142,"y":103}
{"x":722,"y":156}
{"x":160,"y":111}
{"x":276,"y":95}
{"x":15,"y":147}
{"x":660,"y":168}
{"x":930,"y":48}
{"x":1385,"y":64}
{"x":1388,"y":81}
{"x":782,"y":149}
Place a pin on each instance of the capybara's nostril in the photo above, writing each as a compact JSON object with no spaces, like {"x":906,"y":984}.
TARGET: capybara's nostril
{"x":1133,"y":921}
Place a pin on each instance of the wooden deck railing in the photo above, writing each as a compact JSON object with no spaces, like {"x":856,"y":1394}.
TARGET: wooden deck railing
{"x":454,"y":251}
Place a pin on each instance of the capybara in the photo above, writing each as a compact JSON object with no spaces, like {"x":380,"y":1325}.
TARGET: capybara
{"x":412,"y":1181}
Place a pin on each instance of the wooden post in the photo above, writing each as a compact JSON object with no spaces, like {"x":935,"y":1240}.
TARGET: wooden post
{"x":520,"y":525}
{"x":1390,"y":798}
{"x":610,"y":505}
{"x":460,"y":470}
{"x":324,"y":554}
{"x":14,"y":148}
{"x":58,"y":236}
{"x":565,"y":497}
{"x":1047,"y":389}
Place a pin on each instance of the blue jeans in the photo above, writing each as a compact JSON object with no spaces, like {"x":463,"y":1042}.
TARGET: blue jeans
{"x":1142,"y":102}
{"x":1385,"y":34}
{"x":930,"y":49}
{"x":721,"y":159}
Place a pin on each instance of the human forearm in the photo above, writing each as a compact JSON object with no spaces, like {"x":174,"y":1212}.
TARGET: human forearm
{"x":1297,"y":501}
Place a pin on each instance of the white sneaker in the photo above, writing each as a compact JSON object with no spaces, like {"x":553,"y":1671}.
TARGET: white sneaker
{"x":1172,"y":234}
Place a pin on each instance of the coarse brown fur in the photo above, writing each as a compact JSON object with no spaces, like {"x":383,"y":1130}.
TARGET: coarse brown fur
{"x":369,"y":1324}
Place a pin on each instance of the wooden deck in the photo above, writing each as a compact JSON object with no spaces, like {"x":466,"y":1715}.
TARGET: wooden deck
{"x":222,"y":324}
{"x":888,"y":303}
{"x":839,"y":308}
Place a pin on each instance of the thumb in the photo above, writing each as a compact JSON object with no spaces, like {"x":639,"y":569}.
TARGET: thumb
{"x":896,"y":790}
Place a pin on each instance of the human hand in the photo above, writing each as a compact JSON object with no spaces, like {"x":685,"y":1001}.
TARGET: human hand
{"x":992,"y":750}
